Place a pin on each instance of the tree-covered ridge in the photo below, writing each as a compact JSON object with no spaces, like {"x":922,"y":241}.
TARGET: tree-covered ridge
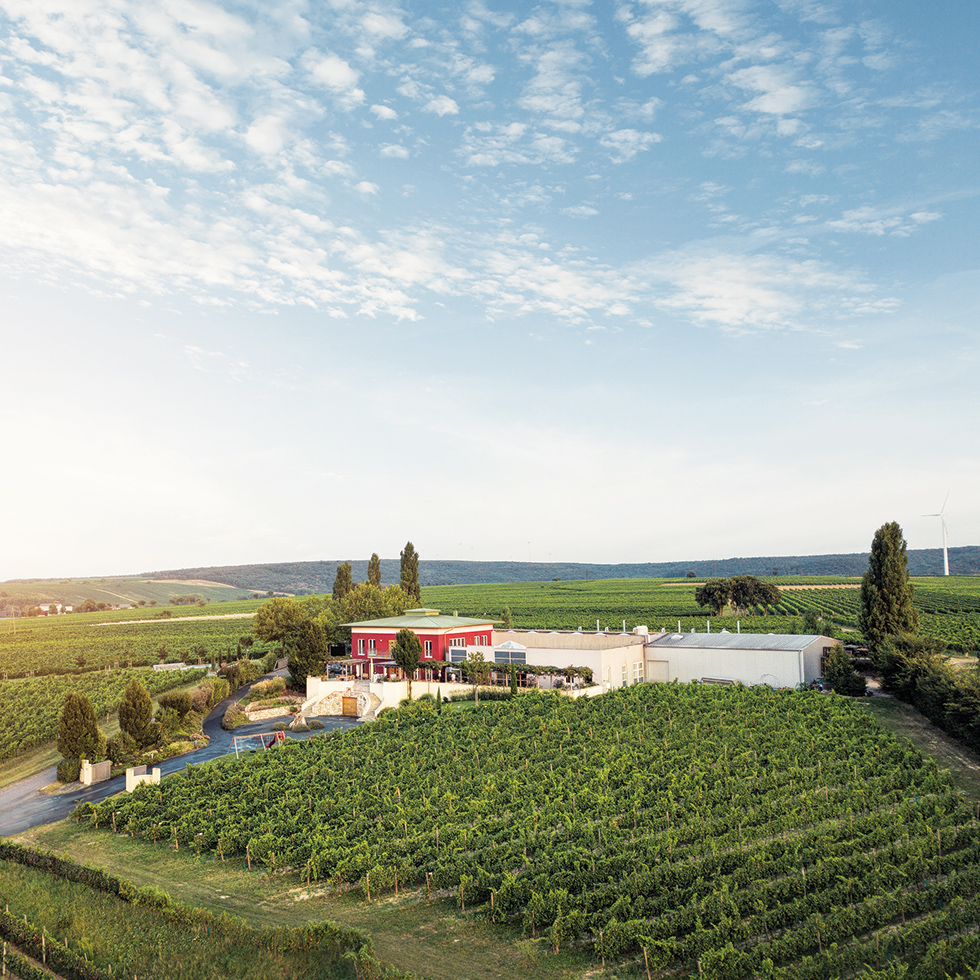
{"x":729,"y":832}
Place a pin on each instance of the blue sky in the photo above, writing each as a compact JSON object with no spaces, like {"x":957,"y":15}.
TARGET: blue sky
{"x":669,"y":279}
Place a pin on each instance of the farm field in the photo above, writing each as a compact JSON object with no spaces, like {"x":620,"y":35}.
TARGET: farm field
{"x":727,"y":832}
{"x":117,"y":589}
{"x":949,"y":608}
{"x":29,"y":707}
{"x":121,"y":638}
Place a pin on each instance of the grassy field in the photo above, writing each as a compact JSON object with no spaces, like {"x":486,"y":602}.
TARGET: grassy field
{"x":410,"y":932}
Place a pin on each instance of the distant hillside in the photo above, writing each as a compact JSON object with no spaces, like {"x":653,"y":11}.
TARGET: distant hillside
{"x":303,"y":577}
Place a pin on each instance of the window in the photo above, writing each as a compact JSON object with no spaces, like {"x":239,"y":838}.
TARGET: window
{"x":428,"y":648}
{"x":624,"y":675}
{"x":360,"y":646}
{"x":637,"y":671}
{"x":372,"y":645}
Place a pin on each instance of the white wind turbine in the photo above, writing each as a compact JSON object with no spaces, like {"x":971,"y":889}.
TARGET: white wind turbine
{"x":942,"y":517}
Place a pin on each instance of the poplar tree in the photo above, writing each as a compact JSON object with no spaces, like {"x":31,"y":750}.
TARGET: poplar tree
{"x":410,"y":573}
{"x":886,"y":593}
{"x":374,"y":570}
{"x":343,"y":581}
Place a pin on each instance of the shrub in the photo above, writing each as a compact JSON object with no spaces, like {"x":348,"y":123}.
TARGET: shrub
{"x":69,"y":770}
{"x":314,"y":724}
{"x":301,"y":727}
{"x":280,"y":726}
{"x":179,"y":701}
{"x":122,"y":748}
{"x":267,"y":689}
{"x":234,"y":716}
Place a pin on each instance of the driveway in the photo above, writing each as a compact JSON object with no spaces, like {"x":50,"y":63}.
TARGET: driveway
{"x":23,"y":806}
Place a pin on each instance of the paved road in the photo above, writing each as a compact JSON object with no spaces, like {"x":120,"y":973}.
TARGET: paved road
{"x":22,"y":805}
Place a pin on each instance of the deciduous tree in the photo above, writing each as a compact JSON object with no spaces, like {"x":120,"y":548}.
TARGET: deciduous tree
{"x":715,"y":594}
{"x":374,"y":570}
{"x":279,"y":620}
{"x":343,"y":581}
{"x":308,"y":654}
{"x":407,"y":652}
{"x":886,"y":593}
{"x":410,"y":573}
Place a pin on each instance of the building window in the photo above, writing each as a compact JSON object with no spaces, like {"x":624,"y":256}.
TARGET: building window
{"x":360,"y":646}
{"x":428,"y":648}
{"x":638,"y":672}
{"x":624,"y":675}
{"x":372,"y":645}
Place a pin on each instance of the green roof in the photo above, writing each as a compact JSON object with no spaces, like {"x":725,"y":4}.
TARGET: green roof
{"x":424,"y":619}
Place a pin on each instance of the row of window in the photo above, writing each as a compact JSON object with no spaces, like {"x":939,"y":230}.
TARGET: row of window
{"x":637,"y":673}
{"x":461,"y":641}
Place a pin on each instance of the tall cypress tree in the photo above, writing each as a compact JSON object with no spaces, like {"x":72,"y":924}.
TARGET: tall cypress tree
{"x":135,"y":710}
{"x":410,"y":573}
{"x":374,"y":570}
{"x":79,"y":735}
{"x":886,"y":593}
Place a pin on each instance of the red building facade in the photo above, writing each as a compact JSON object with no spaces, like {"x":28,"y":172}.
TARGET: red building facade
{"x":372,"y":639}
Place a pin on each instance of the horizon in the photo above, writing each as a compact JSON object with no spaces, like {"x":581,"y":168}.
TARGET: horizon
{"x":672,"y":278}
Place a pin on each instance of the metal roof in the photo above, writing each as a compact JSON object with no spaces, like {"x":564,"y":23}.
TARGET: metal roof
{"x":424,"y":619}
{"x":734,"y":641}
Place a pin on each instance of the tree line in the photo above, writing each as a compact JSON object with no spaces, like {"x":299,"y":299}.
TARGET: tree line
{"x":307,"y":629}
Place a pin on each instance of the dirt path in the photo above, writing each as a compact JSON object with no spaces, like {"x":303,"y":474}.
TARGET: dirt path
{"x":178,"y":619}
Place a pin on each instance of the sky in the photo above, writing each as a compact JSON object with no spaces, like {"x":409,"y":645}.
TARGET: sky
{"x":622,"y":281}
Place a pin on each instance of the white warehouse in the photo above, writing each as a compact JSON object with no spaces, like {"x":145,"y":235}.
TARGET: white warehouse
{"x":619,"y":659}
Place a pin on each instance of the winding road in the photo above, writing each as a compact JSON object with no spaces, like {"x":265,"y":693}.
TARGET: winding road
{"x":23,"y":805}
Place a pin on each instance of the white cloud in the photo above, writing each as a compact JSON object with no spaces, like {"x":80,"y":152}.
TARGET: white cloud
{"x":394,"y":150}
{"x":366,"y":187}
{"x":580,"y":211}
{"x":337,"y":75}
{"x":780,"y":94}
{"x":388,"y":26}
{"x":266,"y":135}
{"x":442,"y":105}
{"x":626,"y":143}
{"x":384,"y":112}
{"x":869,"y":220}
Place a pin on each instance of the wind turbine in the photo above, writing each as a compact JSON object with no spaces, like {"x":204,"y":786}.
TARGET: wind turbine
{"x":942,"y":517}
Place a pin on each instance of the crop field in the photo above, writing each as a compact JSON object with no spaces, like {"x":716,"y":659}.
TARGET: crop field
{"x":716,"y":832}
{"x":95,"y":927}
{"x":115,"y":590}
{"x":949,"y":607}
{"x":62,"y":644}
{"x":29,"y":707}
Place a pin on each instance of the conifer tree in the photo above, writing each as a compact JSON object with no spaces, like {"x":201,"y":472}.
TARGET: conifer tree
{"x":374,"y":570}
{"x":79,"y":735}
{"x":886,"y":593}
{"x":135,"y":710}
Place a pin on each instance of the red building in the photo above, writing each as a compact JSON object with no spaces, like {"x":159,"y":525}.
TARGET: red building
{"x":372,"y":639}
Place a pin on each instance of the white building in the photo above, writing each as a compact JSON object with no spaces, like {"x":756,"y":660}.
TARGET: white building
{"x":619,"y":659}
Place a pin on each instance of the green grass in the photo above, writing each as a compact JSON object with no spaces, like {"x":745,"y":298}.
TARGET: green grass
{"x":410,"y":932}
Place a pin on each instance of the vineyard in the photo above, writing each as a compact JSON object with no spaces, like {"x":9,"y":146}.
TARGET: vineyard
{"x":29,"y":707}
{"x":949,"y":608}
{"x":62,"y":644}
{"x":707,"y":832}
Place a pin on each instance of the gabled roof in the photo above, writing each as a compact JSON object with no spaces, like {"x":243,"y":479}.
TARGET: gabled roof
{"x":735,"y":641}
{"x":424,"y":619}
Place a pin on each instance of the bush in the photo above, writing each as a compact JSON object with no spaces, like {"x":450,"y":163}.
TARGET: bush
{"x":234,"y":716}
{"x":69,"y":770}
{"x":179,"y":701}
{"x":209,"y":694}
{"x":269,"y":662}
{"x":301,"y":727}
{"x":267,"y":689}
{"x":121,"y":749}
{"x":314,"y":724}
{"x":280,"y":726}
